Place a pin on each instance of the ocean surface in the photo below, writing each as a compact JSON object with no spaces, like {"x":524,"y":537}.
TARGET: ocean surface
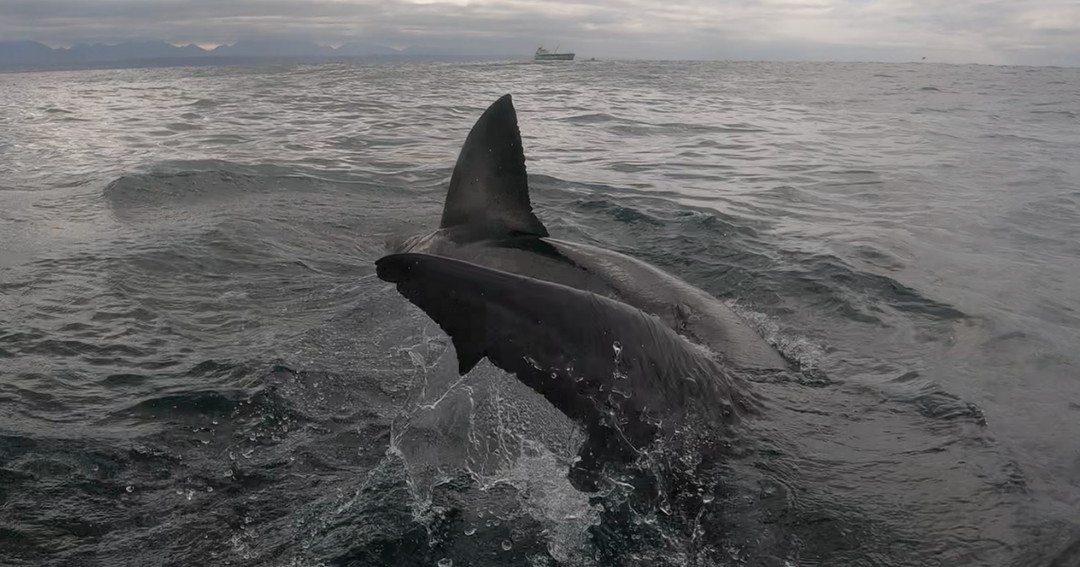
{"x":198,"y":366}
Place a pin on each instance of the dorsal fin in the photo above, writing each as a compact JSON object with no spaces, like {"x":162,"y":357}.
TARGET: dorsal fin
{"x":489,"y":190}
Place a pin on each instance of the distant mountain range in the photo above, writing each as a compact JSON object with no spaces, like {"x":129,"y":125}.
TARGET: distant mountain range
{"x":31,"y":54}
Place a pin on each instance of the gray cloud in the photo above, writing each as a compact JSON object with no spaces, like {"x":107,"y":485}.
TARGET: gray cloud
{"x":984,"y":31}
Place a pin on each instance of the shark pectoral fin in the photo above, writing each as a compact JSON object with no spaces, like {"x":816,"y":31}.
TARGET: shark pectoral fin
{"x":489,"y":189}
{"x":512,"y":320}
{"x":460,"y":314}
{"x":558,"y":340}
{"x":602,"y":363}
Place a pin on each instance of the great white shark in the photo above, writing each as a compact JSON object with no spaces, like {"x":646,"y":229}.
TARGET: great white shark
{"x":630,"y":352}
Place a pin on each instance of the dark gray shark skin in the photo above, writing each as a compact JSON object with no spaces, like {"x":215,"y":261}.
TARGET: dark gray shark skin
{"x":612,"y":342}
{"x":488,"y":220}
{"x":620,"y":372}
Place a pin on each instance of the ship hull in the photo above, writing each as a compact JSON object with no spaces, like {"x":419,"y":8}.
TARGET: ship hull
{"x":555,"y":57}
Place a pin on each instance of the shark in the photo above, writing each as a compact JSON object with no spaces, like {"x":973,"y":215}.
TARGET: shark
{"x":631,"y":353}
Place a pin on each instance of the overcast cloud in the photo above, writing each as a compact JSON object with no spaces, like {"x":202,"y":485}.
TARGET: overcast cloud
{"x":979,"y":31}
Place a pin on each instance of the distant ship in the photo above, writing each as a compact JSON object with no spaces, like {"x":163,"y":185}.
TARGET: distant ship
{"x":545,"y":55}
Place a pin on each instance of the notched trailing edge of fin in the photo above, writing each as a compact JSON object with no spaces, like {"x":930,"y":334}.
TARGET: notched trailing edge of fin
{"x":489,"y":189}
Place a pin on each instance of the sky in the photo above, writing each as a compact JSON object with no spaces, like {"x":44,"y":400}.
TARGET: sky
{"x":1034,"y":32}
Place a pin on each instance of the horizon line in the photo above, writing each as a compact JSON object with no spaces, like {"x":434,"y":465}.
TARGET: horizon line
{"x":444,"y":54}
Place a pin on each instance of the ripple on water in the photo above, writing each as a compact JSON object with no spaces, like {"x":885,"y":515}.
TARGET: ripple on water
{"x":225,"y":139}
{"x":183,"y":126}
{"x":149,"y":350}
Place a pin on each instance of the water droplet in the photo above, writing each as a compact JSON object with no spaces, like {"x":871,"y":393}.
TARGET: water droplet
{"x":130,"y":488}
{"x":495,"y":522}
{"x":251,"y":437}
{"x":215,"y":422}
{"x":446,"y":562}
{"x":209,"y":488}
{"x":95,"y":468}
{"x":618,"y":350}
{"x":506,"y":545}
{"x":708,"y":498}
{"x":470,"y":530}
